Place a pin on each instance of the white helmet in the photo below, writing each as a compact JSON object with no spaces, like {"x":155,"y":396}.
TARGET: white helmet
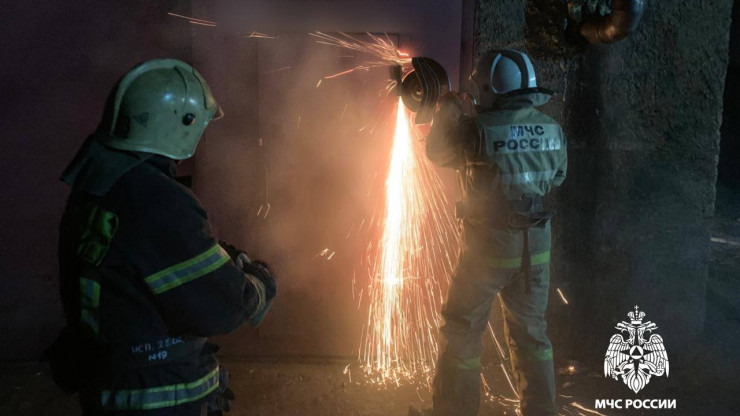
{"x":503,"y":71}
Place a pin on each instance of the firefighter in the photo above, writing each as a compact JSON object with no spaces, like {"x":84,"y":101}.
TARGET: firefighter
{"x":509,"y":156}
{"x":143,"y":281}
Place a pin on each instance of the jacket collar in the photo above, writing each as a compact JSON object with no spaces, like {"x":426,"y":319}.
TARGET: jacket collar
{"x":166,"y":165}
{"x":96,"y":167}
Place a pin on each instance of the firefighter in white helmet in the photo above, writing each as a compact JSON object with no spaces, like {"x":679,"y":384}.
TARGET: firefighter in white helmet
{"x":510,"y":155}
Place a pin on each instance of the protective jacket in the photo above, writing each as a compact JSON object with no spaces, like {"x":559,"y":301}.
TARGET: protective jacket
{"x":507,"y":152}
{"x":143,"y":283}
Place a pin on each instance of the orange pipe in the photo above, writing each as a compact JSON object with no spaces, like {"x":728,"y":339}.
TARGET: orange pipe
{"x":617,"y":25}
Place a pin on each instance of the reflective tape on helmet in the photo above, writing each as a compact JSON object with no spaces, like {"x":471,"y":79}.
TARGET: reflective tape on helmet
{"x":90,"y":304}
{"x":516,"y":262}
{"x":189,"y":270}
{"x":160,"y":397}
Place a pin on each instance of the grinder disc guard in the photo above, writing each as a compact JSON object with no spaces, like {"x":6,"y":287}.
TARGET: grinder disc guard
{"x":422,"y":88}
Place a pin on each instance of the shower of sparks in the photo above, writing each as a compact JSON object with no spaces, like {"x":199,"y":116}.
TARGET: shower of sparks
{"x":411,"y":265}
{"x":381,"y":48}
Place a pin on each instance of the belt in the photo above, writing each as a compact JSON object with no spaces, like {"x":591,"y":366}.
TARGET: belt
{"x":513,"y":213}
{"x":518,"y":214}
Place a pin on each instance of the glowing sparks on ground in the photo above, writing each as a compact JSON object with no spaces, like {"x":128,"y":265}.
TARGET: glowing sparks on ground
{"x":412,"y":265}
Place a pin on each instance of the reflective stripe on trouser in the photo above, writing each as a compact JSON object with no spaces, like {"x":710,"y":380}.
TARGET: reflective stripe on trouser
{"x":162,"y":396}
{"x":188,"y":270}
{"x":476,"y":282}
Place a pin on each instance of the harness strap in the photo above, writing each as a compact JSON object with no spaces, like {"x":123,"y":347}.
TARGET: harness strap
{"x":526,"y":268}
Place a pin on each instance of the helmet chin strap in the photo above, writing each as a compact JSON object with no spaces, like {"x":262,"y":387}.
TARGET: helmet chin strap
{"x":219,"y":114}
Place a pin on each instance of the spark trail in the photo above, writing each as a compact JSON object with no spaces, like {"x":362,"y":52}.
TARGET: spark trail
{"x":412,"y":264}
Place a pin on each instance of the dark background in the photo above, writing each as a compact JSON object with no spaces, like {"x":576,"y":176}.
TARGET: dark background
{"x":635,"y":217}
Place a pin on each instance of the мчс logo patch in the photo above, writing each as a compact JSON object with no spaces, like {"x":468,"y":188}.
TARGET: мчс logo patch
{"x":636,"y":359}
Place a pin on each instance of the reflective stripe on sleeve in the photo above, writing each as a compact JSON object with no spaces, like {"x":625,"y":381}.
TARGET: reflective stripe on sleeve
{"x":159,"y":397}
{"x":189,"y":270}
{"x":516,"y":262}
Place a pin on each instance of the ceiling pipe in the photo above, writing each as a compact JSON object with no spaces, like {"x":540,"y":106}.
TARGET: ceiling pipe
{"x":617,"y":25}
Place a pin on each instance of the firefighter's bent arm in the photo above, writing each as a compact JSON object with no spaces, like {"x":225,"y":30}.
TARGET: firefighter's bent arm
{"x":453,"y":136}
{"x":196,"y":285}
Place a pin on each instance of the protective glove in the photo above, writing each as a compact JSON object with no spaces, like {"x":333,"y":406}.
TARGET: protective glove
{"x":219,"y":401}
{"x":259,"y":274}
{"x":232,"y":251}
{"x":265,"y":284}
{"x":450,"y":108}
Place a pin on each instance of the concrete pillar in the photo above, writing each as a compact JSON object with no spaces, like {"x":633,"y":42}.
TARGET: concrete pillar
{"x":642,"y":117}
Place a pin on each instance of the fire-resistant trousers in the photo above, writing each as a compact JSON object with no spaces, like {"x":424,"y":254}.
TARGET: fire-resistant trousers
{"x":490,"y":264}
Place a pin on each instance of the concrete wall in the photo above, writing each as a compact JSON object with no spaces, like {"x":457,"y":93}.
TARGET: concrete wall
{"x":642,"y":117}
{"x":729,"y":168}
{"x":59,"y":61}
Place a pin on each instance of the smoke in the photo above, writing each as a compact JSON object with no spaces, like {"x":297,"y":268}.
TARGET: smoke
{"x":294,"y":172}
{"x":298,"y":183}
